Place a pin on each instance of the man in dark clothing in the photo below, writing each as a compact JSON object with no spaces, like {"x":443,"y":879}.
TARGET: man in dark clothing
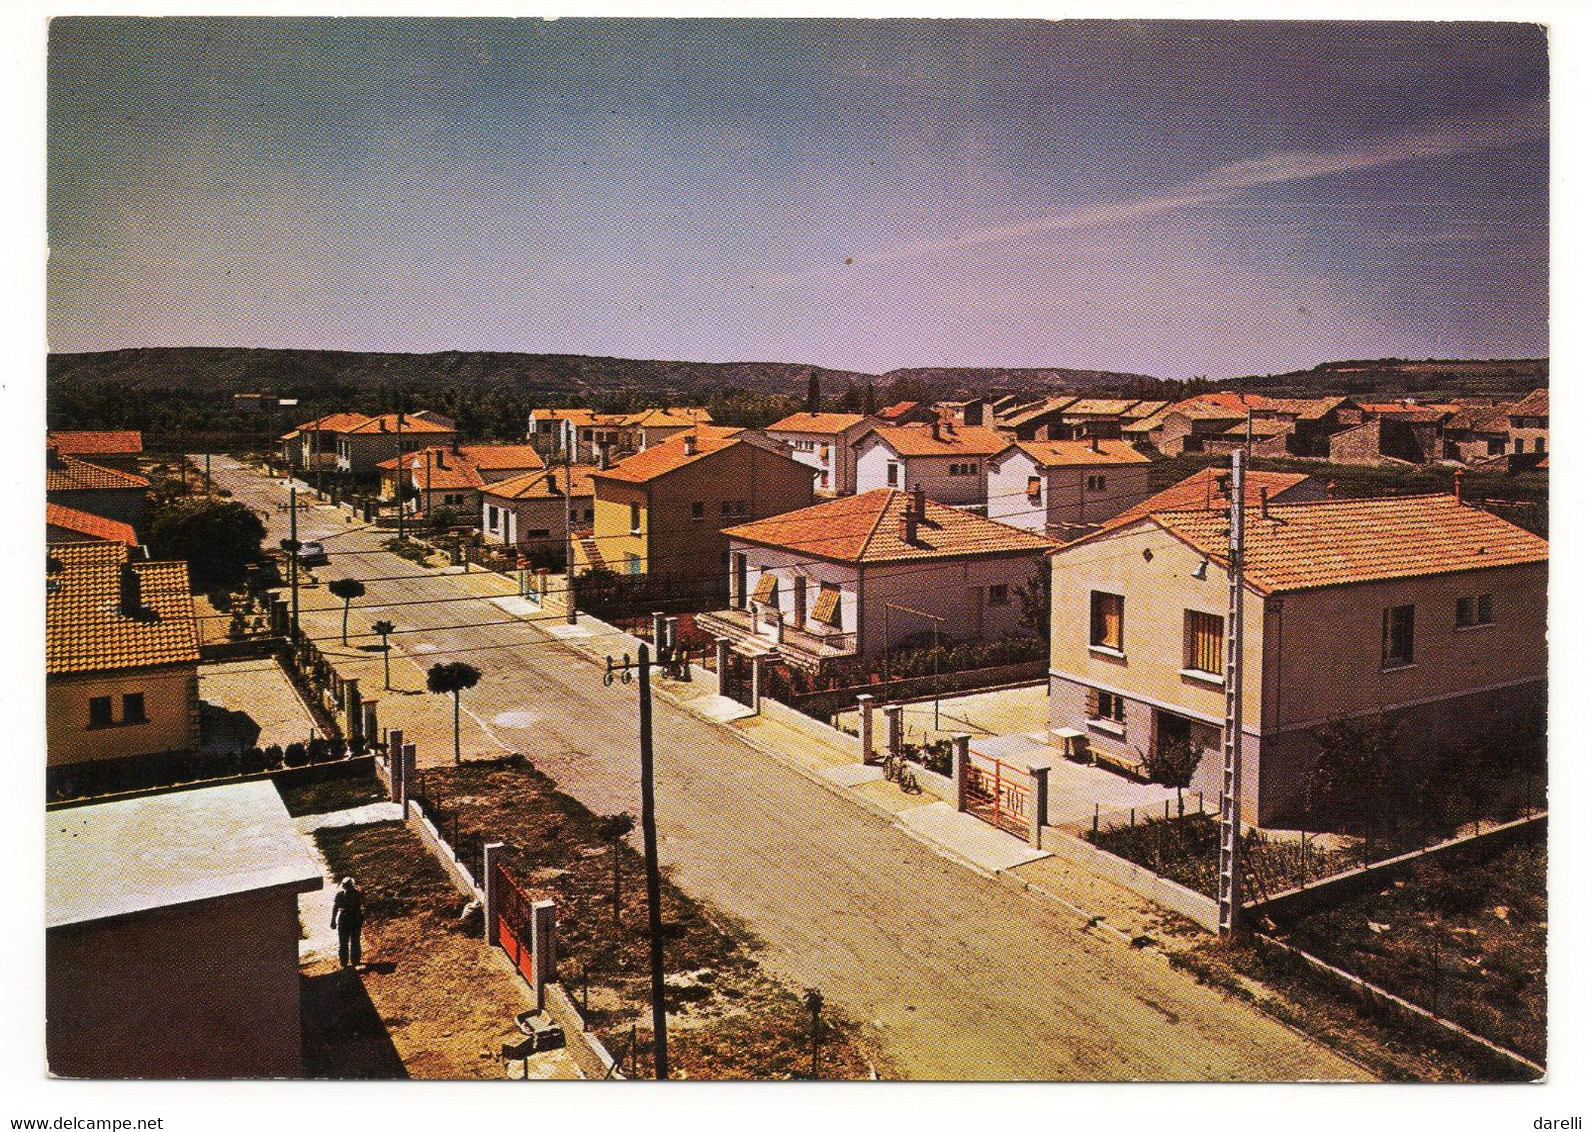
{"x":348,"y":914}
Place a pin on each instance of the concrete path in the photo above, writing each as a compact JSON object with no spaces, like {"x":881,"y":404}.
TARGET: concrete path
{"x":959,"y":977}
{"x":318,"y":939}
{"x":968,"y":838}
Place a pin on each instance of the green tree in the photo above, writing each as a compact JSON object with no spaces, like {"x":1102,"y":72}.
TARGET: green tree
{"x":382,"y":629}
{"x":348,"y":589}
{"x":454,"y":677}
{"x":217,"y":538}
{"x":1353,"y":777}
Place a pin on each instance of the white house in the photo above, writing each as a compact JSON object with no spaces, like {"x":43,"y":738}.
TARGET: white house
{"x":528,"y":511}
{"x":824,"y":441}
{"x":1064,"y":488}
{"x":945,"y":459}
{"x":863,"y":573}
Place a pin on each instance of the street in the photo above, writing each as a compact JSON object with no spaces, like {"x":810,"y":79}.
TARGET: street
{"x":962,"y":978}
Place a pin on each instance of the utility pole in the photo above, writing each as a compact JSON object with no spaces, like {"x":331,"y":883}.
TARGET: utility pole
{"x":1229,"y":903}
{"x":292,"y":553}
{"x":207,"y":475}
{"x":400,"y":464}
{"x":649,"y":842}
{"x":569,"y":542}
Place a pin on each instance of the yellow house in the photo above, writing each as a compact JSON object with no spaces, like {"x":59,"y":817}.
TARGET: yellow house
{"x":1422,"y":610}
{"x":121,"y":660}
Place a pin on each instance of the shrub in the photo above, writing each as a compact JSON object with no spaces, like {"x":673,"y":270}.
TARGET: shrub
{"x":273,"y":757}
{"x":316,"y":751}
{"x":296,"y":754}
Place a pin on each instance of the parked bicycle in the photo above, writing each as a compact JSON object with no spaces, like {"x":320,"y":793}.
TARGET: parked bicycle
{"x":899,"y":771}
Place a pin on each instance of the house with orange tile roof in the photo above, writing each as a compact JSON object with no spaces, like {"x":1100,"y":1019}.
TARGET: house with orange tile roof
{"x":815,"y":584}
{"x":824,"y":442}
{"x":119,"y":448}
{"x":1206,"y":490}
{"x":527,"y":511}
{"x":362,"y":446}
{"x":1065,"y":488}
{"x":1420,"y":610}
{"x":453,"y":475}
{"x":555,"y":432}
{"x":948,"y":461}
{"x":67,"y":524}
{"x":908,"y":412}
{"x":1528,"y":424}
{"x":312,"y":445}
{"x":659,"y":512}
{"x":121,"y":661}
{"x":106,"y":492}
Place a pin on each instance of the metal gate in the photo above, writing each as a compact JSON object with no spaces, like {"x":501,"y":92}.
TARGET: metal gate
{"x":997,"y":792}
{"x":738,"y":678}
{"x":514,"y":924}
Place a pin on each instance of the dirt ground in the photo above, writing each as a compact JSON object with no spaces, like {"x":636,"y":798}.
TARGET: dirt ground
{"x":728,"y":1019}
{"x":436,"y":994}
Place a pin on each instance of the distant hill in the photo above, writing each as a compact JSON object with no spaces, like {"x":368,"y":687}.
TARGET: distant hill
{"x":1431,"y":379}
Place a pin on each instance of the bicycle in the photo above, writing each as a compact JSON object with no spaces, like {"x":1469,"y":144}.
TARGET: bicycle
{"x":898,"y":771}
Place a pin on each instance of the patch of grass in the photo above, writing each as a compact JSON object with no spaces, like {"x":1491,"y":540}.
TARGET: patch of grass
{"x":408,"y":548}
{"x":331,"y":795}
{"x":391,"y":865}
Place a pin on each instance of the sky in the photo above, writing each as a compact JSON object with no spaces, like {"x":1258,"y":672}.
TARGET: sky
{"x":1170,"y":198}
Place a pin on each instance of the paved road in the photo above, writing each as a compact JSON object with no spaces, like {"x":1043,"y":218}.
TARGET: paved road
{"x":961,"y":978}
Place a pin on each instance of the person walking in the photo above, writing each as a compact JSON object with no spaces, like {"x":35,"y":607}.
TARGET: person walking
{"x":348,"y":915}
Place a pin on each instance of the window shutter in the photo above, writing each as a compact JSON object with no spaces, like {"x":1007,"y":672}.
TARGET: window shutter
{"x":1092,"y":697}
{"x":767,"y":591}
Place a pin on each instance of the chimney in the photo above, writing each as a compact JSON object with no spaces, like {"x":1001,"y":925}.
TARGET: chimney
{"x":602,"y":456}
{"x":1094,"y":443}
{"x":439,"y":457}
{"x":909,"y":527}
{"x":690,"y":443}
{"x":1459,"y":479}
{"x":132,"y":600}
{"x":919,"y":506}
{"x":1265,"y":503}
{"x":52,"y":457}
{"x":1332,"y":489}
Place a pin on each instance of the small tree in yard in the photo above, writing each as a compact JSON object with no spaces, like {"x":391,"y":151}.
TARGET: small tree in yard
{"x":348,"y":589}
{"x":1353,"y":776}
{"x":217,"y":539}
{"x":614,"y":829}
{"x":1034,"y":601}
{"x":382,"y":629}
{"x":454,"y":677}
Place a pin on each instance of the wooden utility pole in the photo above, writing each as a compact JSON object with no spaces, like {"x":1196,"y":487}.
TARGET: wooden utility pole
{"x":292,"y":554}
{"x":649,"y":841}
{"x":569,"y":542}
{"x":400,"y":464}
{"x":1229,"y":903}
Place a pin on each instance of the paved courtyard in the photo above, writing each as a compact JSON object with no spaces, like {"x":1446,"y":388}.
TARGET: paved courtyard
{"x":250,"y":703}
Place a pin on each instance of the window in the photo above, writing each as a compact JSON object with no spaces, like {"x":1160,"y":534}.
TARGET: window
{"x":1202,"y":641}
{"x":635,"y":518}
{"x":827,"y":608}
{"x":724,"y":509}
{"x":696,"y":511}
{"x":1541,"y":444}
{"x":1107,"y":706}
{"x":739,"y":508}
{"x":1398,"y":636}
{"x":892,"y":474}
{"x":767,"y":592}
{"x":491,"y":517}
{"x":1097,"y":483}
{"x":541,"y":532}
{"x":1520,"y":446}
{"x":999,"y":595}
{"x":1105,"y":620}
{"x":1464,"y":613}
{"x":633,"y":563}
{"x":133,"y":708}
{"x":964,"y":469}
{"x":1484,"y":609}
{"x":1033,"y":488}
{"x":99,"y":711}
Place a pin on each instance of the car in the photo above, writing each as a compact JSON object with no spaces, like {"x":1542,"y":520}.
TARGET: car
{"x":312,"y":554}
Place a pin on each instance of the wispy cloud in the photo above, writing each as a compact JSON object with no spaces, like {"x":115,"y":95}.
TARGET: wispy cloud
{"x":1497,"y":129}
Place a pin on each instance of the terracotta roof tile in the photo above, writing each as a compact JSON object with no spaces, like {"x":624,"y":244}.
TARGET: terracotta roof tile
{"x":121,"y":442}
{"x":333,"y":422}
{"x":88,"y":525}
{"x":919,"y":440}
{"x":1339,"y":542}
{"x":829,"y":424}
{"x":68,"y":473}
{"x":1026,"y":413}
{"x":891,"y":412}
{"x":867,"y":528}
{"x":670,"y":455}
{"x":1533,"y":404}
{"x":1081,"y":453}
{"x":1100,"y":406}
{"x":85,"y":627}
{"x":1199,"y":493}
{"x":536,"y":485}
{"x":388,"y":423}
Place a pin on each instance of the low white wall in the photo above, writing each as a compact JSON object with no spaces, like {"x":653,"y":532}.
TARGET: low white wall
{"x":1168,"y":894}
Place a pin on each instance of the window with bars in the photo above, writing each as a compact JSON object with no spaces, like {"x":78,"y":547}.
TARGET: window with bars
{"x":1108,"y":706}
{"x":1105,"y":620}
{"x":827,"y":608}
{"x":1202,"y":641}
{"x":1398,"y":636}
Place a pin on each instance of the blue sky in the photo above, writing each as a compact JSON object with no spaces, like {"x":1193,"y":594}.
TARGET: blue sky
{"x":1167,"y":198}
